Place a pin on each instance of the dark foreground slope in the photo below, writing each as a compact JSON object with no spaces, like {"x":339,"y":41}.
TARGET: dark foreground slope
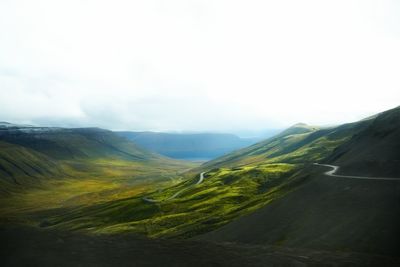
{"x":23,"y":246}
{"x":336,"y":213}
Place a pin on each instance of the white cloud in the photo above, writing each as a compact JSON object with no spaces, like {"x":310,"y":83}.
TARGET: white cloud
{"x":197,"y":65}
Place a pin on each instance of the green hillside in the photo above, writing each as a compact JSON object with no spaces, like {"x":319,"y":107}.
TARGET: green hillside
{"x":199,"y":208}
{"x":296,"y":145}
{"x":234,"y":185}
{"x":44,"y":168}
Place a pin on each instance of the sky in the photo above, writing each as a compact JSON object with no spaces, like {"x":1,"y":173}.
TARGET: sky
{"x":210,"y":65}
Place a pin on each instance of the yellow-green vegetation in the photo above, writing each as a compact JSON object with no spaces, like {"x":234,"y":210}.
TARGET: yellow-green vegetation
{"x":109,"y":185}
{"x":43,"y":169}
{"x":88,"y":182}
{"x":234,"y":185}
{"x":224,"y":195}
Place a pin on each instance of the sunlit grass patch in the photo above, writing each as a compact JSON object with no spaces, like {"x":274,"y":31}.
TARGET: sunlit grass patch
{"x":224,"y":195}
{"x":107,"y":196}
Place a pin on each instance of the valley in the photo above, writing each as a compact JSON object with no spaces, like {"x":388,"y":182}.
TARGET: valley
{"x":276,"y":201}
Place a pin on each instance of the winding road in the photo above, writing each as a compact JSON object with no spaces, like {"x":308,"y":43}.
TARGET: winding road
{"x":336,"y":168}
{"x":150,"y":200}
{"x":331,"y":173}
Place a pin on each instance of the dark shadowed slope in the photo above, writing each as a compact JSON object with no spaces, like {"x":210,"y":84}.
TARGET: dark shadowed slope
{"x":327,"y":213}
{"x":20,"y":165}
{"x":375,"y":151}
{"x":63,"y":143}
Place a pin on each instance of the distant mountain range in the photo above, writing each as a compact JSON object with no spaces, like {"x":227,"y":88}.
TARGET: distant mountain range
{"x":199,"y":146}
{"x":64,"y":143}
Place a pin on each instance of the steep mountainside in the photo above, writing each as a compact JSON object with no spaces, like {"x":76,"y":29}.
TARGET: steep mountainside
{"x":20,"y":165}
{"x":374,"y":151}
{"x":188,"y":146}
{"x":336,"y":213}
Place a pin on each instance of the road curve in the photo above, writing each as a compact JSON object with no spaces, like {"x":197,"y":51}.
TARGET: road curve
{"x":150,"y":200}
{"x":336,"y":168}
{"x":201,"y":178}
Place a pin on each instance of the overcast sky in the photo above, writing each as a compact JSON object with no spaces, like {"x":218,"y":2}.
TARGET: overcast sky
{"x":197,"y":65}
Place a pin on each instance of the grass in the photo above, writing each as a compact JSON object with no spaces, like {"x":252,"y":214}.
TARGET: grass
{"x":294,"y":148}
{"x":224,"y":195}
{"x":89,"y":182}
{"x":106,"y":195}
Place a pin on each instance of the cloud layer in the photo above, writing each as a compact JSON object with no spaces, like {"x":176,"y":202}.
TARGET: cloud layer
{"x":197,"y":65}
